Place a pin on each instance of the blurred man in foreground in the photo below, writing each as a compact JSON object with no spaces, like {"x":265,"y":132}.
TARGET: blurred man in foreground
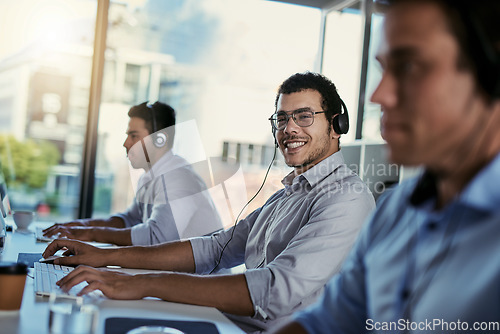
{"x":427,"y":260}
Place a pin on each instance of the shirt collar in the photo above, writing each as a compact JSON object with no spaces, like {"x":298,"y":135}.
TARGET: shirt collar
{"x":316,"y":173}
{"x":157,"y":169}
{"x":481,"y":192}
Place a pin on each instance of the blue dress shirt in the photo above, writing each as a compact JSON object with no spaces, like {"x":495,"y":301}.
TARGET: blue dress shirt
{"x":415,"y":269}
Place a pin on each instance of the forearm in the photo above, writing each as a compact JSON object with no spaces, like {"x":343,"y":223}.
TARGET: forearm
{"x":172,"y":256}
{"x":117,"y":236}
{"x":228,"y":293}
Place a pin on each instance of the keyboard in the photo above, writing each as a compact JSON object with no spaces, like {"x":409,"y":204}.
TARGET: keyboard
{"x":46,"y":276}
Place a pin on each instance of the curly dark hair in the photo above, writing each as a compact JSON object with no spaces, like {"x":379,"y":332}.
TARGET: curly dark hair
{"x":310,"y":80}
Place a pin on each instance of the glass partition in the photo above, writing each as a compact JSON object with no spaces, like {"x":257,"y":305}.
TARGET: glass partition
{"x":342,"y":58}
{"x":371,"y":120}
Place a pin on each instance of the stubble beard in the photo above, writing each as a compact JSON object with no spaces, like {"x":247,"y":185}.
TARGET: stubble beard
{"x":317,"y":153}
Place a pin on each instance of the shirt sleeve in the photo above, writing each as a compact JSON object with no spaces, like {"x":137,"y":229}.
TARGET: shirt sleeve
{"x":298,"y":274}
{"x":231,"y":243}
{"x":343,"y":306}
{"x":131,"y":216}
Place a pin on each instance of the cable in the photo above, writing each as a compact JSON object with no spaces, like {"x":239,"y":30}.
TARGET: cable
{"x":239,"y":214}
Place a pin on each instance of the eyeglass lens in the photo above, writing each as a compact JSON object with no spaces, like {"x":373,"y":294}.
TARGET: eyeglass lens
{"x":302,"y":118}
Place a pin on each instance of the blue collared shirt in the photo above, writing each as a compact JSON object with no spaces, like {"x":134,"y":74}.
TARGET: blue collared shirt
{"x":172,"y":202}
{"x":295,"y":242}
{"x":417,"y":268}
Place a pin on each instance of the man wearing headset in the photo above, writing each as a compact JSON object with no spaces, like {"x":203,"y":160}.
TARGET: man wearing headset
{"x":171,"y":202}
{"x":290,"y":246}
{"x":427,"y":261}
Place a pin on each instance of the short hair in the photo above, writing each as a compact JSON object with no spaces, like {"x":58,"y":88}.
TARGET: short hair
{"x":474,"y":24}
{"x":164,"y":118}
{"x":309,"y":80}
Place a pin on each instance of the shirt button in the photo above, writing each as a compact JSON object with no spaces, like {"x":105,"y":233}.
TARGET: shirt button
{"x":288,"y":193}
{"x":432,"y":226}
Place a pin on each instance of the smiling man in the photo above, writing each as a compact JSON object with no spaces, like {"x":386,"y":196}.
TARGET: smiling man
{"x":301,"y":146}
{"x":171,"y":202}
{"x":427,"y":261}
{"x":290,"y":246}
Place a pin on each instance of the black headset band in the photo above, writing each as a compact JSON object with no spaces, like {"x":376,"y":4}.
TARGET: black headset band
{"x":153,"y":116}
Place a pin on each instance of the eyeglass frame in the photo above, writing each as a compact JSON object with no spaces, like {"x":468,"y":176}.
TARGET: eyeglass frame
{"x":291,"y":114}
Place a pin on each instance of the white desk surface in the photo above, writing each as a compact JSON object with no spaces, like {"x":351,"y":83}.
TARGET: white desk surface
{"x":34,"y":314}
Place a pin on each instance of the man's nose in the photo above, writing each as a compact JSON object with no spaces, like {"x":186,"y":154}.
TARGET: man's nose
{"x":126,"y":144}
{"x":291,"y":125}
{"x":385,"y":94}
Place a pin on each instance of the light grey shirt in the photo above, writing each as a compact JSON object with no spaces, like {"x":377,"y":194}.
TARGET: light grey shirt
{"x":172,"y":202}
{"x":294,"y":243}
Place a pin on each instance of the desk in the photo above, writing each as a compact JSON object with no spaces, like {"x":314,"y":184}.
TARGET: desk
{"x":34,"y":314}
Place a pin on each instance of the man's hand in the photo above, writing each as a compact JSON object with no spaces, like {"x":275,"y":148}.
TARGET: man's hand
{"x":61,"y":228}
{"x":71,"y":232}
{"x":76,"y":253}
{"x":228,"y":293}
{"x":115,"y":285}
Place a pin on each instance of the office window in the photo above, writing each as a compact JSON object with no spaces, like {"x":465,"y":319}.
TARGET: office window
{"x":218,"y":63}
{"x":342,"y":58}
{"x":45,"y":62}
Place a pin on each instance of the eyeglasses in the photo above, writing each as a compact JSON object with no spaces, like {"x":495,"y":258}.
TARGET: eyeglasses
{"x":303,"y":117}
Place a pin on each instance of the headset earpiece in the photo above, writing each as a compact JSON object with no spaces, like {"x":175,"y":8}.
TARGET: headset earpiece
{"x":159,"y":138}
{"x":341,"y":121}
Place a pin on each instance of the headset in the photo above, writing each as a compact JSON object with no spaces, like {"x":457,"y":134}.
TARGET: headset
{"x":159,"y":138}
{"x":341,"y":120}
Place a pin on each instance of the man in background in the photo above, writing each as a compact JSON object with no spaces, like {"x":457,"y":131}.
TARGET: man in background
{"x":171,"y":201}
{"x":427,"y":260}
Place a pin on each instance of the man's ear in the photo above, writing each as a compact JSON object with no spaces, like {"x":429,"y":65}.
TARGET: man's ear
{"x":333,"y":134}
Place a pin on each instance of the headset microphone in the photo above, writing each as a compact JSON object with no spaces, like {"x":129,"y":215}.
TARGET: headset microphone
{"x":274,"y":136}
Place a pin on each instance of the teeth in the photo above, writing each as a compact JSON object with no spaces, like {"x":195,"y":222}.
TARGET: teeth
{"x":295,"y":144}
